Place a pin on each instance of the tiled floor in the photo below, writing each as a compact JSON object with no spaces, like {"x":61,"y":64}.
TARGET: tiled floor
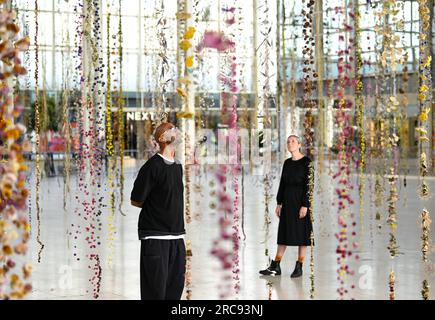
{"x":60,"y":276}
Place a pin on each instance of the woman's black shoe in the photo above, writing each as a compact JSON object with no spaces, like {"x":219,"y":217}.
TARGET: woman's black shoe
{"x":273,"y":270}
{"x":298,"y":270}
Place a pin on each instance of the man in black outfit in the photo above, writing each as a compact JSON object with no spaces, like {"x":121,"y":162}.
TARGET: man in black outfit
{"x":158,"y":191}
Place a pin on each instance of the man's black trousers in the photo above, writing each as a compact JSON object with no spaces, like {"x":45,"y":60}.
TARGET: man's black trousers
{"x":162,"y":269}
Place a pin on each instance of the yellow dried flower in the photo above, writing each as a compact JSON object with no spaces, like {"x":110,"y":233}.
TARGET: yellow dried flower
{"x":189,"y":62}
{"x":185,"y":45}
{"x":190,"y":32}
{"x":181,"y":92}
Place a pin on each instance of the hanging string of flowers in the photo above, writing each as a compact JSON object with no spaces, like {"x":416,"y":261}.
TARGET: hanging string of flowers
{"x":120,"y":103}
{"x":205,"y":102}
{"x":403,"y":118}
{"x":235,"y":168}
{"x":379,"y":196}
{"x":188,"y":270}
{"x":396,"y":54}
{"x":309,"y":76}
{"x":98,"y":148}
{"x":77,"y":82}
{"x":425,"y":102}
{"x":346,"y":151}
{"x":359,"y":105}
{"x":425,"y":230}
{"x":324,"y":201}
{"x":27,"y":64}
{"x":264,"y":101}
{"x":184,"y":84}
{"x":243,"y":106}
{"x":66,"y":126}
{"x":391,"y":282}
{"x":364,"y":138}
{"x":319,"y":14}
{"x":164,"y":62}
{"x":99,"y":141}
{"x":228,"y":229}
{"x":379,"y":136}
{"x":38,"y":137}
{"x":14,"y":226}
{"x":424,"y":97}
{"x":311,"y":202}
{"x":425,"y":293}
{"x":390,"y":56}
{"x":183,"y":89}
{"x":89,"y":158}
{"x":110,"y":148}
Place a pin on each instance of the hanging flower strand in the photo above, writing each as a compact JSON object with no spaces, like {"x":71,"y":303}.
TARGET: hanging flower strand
{"x":425,"y":227}
{"x":233,"y":141}
{"x":184,"y":84}
{"x":121,"y":104}
{"x":346,"y":151}
{"x":227,"y":209}
{"x":425,"y":293}
{"x":90,"y":156}
{"x":359,"y":105}
{"x":311,"y":202}
{"x":38,"y":137}
{"x":390,"y":56}
{"x":110,"y":148}
{"x":309,"y":76}
{"x":14,"y":225}
{"x":426,"y":104}
{"x":261,"y":105}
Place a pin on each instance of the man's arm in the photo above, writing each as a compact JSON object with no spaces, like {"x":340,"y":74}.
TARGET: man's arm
{"x":136,"y":204}
{"x":142,"y":186}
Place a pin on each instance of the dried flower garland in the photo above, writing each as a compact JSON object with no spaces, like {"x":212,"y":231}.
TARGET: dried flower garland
{"x":110,"y":148}
{"x":311,"y":201}
{"x":66,"y":129}
{"x":309,"y":74}
{"x":188,"y":270}
{"x":346,"y":152}
{"x":392,"y":213}
{"x":89,"y":160}
{"x":425,"y":230}
{"x":425,"y":290}
{"x":391,"y":282}
{"x":183,"y":89}
{"x":120,"y":103}
{"x":390,"y":57}
{"x":164,"y":60}
{"x":227,"y":208}
{"x":262,"y":105}
{"x":426,"y":105}
{"x":359,"y":105}
{"x":186,"y":34}
{"x":14,"y":226}
{"x":38,"y":137}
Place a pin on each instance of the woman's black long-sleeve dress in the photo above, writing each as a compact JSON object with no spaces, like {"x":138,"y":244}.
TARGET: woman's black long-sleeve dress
{"x":292,"y":195}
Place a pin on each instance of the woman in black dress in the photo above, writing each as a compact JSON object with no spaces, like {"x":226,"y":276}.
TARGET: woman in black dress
{"x":293,"y":208}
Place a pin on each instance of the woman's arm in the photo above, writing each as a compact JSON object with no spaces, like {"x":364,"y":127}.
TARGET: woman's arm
{"x":280,"y":194}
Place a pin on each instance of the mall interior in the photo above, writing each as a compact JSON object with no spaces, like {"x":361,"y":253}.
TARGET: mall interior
{"x":85,"y":83}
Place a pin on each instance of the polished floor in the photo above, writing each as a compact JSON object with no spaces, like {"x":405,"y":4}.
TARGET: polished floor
{"x":60,"y":276}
